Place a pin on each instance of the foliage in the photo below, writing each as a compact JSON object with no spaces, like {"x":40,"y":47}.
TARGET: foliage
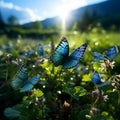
{"x":36,"y":25}
{"x":12,"y":20}
{"x":60,"y":94}
{"x":84,"y":22}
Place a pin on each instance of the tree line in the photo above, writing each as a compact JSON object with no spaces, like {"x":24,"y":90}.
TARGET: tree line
{"x":13,"y":28}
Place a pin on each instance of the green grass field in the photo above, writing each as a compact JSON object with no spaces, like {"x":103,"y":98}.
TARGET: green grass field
{"x":60,"y":94}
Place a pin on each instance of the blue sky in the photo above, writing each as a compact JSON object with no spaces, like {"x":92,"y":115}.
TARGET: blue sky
{"x":30,"y":10}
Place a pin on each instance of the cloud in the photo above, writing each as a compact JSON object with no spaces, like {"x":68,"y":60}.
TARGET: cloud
{"x":23,"y":15}
{"x":29,"y":15}
{"x":9,"y":5}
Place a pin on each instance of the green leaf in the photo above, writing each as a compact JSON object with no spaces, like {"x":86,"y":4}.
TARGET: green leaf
{"x":97,"y":66}
{"x":76,"y":92}
{"x":68,"y":90}
{"x":83,"y":115}
{"x":79,"y":91}
{"x":86,"y":78}
{"x":38,"y":93}
{"x":11,"y":113}
{"x":100,"y":117}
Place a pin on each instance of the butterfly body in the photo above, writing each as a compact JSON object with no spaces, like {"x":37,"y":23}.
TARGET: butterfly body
{"x":61,"y":54}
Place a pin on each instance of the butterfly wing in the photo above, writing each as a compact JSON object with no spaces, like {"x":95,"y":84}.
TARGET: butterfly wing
{"x":30,"y":52}
{"x":34,"y":79}
{"x":24,"y":56}
{"x":27,"y":54}
{"x":26,"y":87}
{"x":78,"y":53}
{"x":69,"y":63}
{"x":57,"y":59}
{"x":112,"y":53}
{"x":96,"y":78}
{"x":40,"y":50}
{"x":98,"y":56}
{"x":30,"y":83}
{"x":7,"y":47}
{"x":103,"y":84}
{"x":21,"y":76}
{"x":17,"y":83}
{"x":74,"y":58}
{"x":61,"y":52}
{"x":63,"y":47}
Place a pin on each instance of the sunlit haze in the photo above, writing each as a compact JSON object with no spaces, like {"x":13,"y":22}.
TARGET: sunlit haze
{"x":40,"y":9}
{"x":64,"y":14}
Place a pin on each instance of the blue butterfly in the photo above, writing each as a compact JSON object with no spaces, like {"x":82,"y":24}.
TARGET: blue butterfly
{"x":7,"y":47}
{"x":97,"y":80}
{"x":110,"y":54}
{"x":22,"y":82}
{"x":41,"y":51}
{"x":98,"y":56}
{"x":29,"y":84}
{"x":26,"y":54}
{"x":61,"y":54}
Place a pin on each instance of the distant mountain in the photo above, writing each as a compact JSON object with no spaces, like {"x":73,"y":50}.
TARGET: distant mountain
{"x":47,"y":23}
{"x":107,"y":9}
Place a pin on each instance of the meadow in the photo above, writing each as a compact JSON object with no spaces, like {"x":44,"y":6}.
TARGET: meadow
{"x":59,"y":94}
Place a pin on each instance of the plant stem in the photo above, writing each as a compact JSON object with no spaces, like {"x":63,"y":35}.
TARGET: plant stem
{"x":97,"y":99}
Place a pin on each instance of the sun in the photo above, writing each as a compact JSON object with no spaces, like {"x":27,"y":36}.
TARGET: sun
{"x":64,"y":14}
